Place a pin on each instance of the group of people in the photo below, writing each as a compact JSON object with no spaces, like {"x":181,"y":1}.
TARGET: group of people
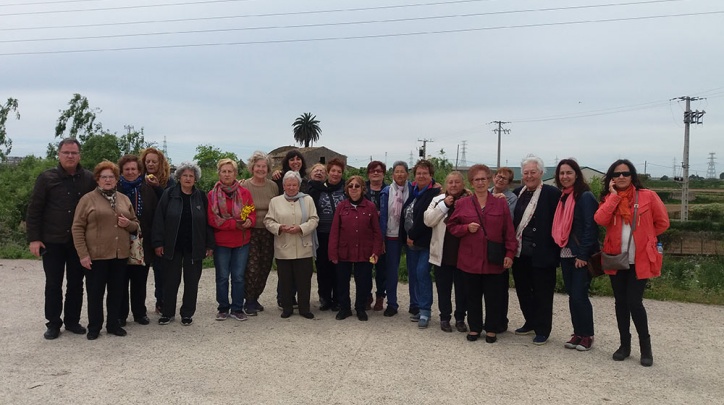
{"x":81,"y":223}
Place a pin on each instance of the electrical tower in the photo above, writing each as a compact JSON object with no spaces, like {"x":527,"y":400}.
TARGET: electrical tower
{"x":423,"y":150}
{"x":500,"y":130}
{"x":690,"y":117}
{"x":711,"y":168}
{"x":165,"y":147}
{"x":463,"y":160}
{"x":411,"y":157}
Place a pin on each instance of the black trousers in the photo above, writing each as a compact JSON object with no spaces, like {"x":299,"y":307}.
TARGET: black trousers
{"x":136,"y":278}
{"x":295,"y":273}
{"x":628,"y":293}
{"x":326,"y":272}
{"x":362,"y":280}
{"x":447,"y":278}
{"x":158,"y":275}
{"x":105,"y":275}
{"x":181,"y":264}
{"x":493,"y":289}
{"x":535,"y":287}
{"x":61,"y":260}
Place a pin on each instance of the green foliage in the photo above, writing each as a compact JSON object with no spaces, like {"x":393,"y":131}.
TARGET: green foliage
{"x":698,"y":226}
{"x":707,"y":212}
{"x":207,"y":156}
{"x":98,"y":148}
{"x":11,"y":106}
{"x":306,"y":129}
{"x":596,"y":184}
{"x":18,"y":181}
{"x":82,"y":118}
{"x":132,"y":142}
{"x":442,"y":167}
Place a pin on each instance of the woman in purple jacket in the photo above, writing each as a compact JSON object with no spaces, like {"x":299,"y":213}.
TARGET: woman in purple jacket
{"x":355,"y":241}
{"x":477,"y":220}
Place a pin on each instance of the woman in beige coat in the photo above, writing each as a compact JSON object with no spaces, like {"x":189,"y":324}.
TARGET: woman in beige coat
{"x":293,"y":220}
{"x":102,"y":227}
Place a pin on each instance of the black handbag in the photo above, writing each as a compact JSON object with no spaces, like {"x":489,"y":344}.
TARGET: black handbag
{"x":496,"y":250}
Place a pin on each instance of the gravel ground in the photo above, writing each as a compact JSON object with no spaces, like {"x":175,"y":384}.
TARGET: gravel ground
{"x":385,"y":360}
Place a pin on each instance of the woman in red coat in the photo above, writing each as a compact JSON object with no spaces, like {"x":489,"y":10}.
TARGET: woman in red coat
{"x":616,"y":213}
{"x":478,"y":219}
{"x":355,"y":241}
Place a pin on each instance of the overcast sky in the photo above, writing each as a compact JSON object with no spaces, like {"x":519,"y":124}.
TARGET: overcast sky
{"x":379,"y":75}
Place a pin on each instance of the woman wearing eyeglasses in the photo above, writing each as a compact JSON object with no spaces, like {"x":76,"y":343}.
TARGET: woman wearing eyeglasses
{"x":376,"y":183}
{"x":502,"y":180}
{"x":355,"y":241}
{"x":619,"y":214}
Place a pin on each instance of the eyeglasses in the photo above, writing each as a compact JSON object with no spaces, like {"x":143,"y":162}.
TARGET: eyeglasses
{"x":69,"y":153}
{"x":354,"y":185}
{"x":376,"y":171}
{"x":480,"y":179}
{"x":499,"y":177}
{"x":108,"y":177}
{"x":624,"y":174}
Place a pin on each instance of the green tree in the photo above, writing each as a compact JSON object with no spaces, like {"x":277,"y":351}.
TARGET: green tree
{"x":11,"y":106}
{"x":207,"y":156}
{"x":100,"y":147}
{"x":82,"y":117}
{"x":132,"y":142}
{"x":442,"y":166}
{"x":306,"y":129}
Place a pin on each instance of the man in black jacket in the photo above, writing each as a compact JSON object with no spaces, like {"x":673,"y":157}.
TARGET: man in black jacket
{"x":49,"y":219}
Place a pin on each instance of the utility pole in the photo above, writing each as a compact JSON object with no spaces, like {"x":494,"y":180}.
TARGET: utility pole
{"x":423,"y":150}
{"x":457,"y":154}
{"x":711,"y":169}
{"x":464,"y":160}
{"x":690,"y":117}
{"x":500,"y":130}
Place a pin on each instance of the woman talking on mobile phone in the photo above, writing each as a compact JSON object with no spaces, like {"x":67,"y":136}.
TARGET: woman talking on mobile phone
{"x":633,"y":217}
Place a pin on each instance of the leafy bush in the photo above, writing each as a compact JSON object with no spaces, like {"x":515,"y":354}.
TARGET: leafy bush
{"x":707,"y":212}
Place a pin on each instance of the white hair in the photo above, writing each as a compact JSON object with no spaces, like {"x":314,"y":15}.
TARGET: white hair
{"x":187,"y":166}
{"x":533,"y":159}
{"x":291,"y":174}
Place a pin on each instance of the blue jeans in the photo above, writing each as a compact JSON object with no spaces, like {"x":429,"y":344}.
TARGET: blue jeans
{"x":393,"y":250}
{"x":577,"y":282}
{"x":230,"y":262}
{"x":418,"y":270}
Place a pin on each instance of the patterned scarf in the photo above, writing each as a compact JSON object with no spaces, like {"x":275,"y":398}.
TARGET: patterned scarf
{"x":527,"y":215}
{"x":219,"y":194}
{"x":398,"y":196}
{"x":109,"y":195}
{"x":624,"y":206}
{"x":563,"y":218}
{"x":132,"y":189}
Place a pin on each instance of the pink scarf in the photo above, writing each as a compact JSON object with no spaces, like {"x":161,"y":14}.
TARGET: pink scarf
{"x":219,"y":195}
{"x":563,"y":218}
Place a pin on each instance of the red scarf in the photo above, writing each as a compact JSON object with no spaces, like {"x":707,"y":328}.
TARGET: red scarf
{"x":563,"y":218}
{"x":218,"y":202}
{"x":624,"y":206}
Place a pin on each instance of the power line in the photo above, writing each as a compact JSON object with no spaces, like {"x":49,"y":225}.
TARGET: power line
{"x":347,"y":10}
{"x":143,"y":6}
{"x":370,"y":36}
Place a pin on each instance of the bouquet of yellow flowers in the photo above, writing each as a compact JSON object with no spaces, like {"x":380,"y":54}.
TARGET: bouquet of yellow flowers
{"x":248,"y":209}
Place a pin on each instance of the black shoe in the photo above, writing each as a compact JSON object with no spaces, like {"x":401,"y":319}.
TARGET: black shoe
{"x":122,"y":322}
{"x":143,"y":320}
{"x":343,"y":314}
{"x":51,"y":333}
{"x":335,"y":307}
{"x":286,"y":314}
{"x":186,"y":321}
{"x":390,"y":312}
{"x":471,"y":338}
{"x":325,"y":306}
{"x":460,"y":326}
{"x":308,"y":315}
{"x":77,"y":329}
{"x":491,"y":339}
{"x":445,"y":326}
{"x":118,"y":331}
{"x":647,"y":359}
{"x":92,"y":335}
{"x":165,"y":320}
{"x":414,"y":311}
{"x":362,"y":315}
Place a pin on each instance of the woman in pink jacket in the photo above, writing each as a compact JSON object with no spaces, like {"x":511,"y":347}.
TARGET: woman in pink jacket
{"x":355,"y":241}
{"x":477,"y":220}
{"x":619,"y":215}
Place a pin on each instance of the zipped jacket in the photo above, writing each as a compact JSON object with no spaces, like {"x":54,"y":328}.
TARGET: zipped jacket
{"x":167,"y":220}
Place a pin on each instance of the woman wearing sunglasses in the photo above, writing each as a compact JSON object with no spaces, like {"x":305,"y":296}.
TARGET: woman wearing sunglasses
{"x":355,"y":241}
{"x":628,"y":211}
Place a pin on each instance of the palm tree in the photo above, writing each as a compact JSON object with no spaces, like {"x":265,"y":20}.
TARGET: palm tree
{"x":306,"y":129}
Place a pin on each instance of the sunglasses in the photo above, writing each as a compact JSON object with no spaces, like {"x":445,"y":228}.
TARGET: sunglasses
{"x":376,"y":171}
{"x":354,"y":185}
{"x":624,"y":174}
